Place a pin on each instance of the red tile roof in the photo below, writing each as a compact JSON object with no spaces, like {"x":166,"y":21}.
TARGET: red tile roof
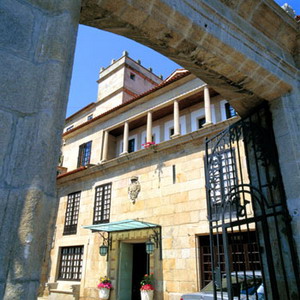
{"x":161,"y":85}
{"x":72,"y":172}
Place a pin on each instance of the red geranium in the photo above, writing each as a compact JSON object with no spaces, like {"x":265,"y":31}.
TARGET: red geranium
{"x":147,"y":282}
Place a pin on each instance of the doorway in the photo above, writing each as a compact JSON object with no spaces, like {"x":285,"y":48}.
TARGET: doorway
{"x":134,"y":264}
{"x":140,"y":266}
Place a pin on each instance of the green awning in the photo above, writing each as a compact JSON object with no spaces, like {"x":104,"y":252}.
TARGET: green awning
{"x":124,"y":225}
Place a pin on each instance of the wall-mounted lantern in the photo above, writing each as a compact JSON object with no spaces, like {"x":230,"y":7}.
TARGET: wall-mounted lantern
{"x":106,"y":244}
{"x":103,"y":250}
{"x":149,"y":247}
{"x":154,"y":242}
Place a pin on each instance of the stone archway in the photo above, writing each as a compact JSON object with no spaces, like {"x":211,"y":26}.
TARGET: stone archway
{"x":248,"y":52}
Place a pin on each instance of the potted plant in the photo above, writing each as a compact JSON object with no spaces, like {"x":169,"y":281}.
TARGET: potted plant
{"x":104,"y":287}
{"x":147,"y":288}
{"x":150,"y":145}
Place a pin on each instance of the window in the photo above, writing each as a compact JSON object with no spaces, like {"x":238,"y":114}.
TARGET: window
{"x":90,"y":117}
{"x":72,"y":213}
{"x":171,"y":132}
{"x":230,"y":111}
{"x":243,"y":254}
{"x":70,"y":266}
{"x":201,"y":122}
{"x":131,"y":144}
{"x":84,"y":154}
{"x":132,"y":76}
{"x":102,"y":204}
{"x":70,"y":127}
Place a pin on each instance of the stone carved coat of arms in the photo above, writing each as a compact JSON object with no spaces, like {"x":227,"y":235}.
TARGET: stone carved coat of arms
{"x":134,"y":189}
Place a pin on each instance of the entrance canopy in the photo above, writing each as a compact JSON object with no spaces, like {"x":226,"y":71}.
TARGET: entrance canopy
{"x":121,"y":226}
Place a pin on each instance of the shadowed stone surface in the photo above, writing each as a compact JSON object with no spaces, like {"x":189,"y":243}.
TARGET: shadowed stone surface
{"x":245,"y":59}
{"x":37,"y":46}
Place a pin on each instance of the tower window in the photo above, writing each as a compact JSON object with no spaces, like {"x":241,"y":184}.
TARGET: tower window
{"x":132,"y":76}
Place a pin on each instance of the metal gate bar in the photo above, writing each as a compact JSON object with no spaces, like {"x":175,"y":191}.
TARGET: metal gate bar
{"x":244,"y":193}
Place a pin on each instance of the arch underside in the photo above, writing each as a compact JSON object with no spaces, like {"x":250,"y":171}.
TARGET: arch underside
{"x":216,"y":42}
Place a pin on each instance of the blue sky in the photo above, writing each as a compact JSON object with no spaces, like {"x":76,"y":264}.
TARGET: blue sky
{"x":96,"y":48}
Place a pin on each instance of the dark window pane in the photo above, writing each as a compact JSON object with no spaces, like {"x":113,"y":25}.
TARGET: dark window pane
{"x":72,"y":213}
{"x":132,"y":76}
{"x":230,"y":111}
{"x":70,"y":263}
{"x":201,"y":122}
{"x":171,"y":131}
{"x":131,"y":144}
{"x":102,"y":204}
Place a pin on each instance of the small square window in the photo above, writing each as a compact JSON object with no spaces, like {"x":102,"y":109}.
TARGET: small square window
{"x":90,"y":117}
{"x":132,"y":76}
{"x":201,"y":122}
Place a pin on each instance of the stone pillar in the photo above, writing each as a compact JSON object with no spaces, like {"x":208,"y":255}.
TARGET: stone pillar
{"x":207,"y":107}
{"x":125,"y":138}
{"x":285,"y":113}
{"x":105,"y":145}
{"x":176,"y":119}
{"x":36,"y":56}
{"x":149,"y":127}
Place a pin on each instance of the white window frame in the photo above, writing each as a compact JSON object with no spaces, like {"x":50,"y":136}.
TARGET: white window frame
{"x":129,"y":138}
{"x":195,"y":116}
{"x":223,"y":110}
{"x":170,"y":124}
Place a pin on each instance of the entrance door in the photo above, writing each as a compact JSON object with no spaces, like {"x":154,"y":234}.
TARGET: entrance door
{"x":125,"y":271}
{"x":139,"y":268}
{"x":133,"y":265}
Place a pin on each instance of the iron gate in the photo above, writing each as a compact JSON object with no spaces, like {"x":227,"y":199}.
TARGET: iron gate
{"x":245,"y":195}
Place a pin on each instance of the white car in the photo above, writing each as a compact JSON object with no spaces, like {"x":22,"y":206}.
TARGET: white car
{"x":243,"y":283}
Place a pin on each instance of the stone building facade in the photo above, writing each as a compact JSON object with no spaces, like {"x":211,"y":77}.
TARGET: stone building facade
{"x":155,"y":141}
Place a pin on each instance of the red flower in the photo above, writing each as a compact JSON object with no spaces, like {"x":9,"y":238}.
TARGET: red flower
{"x":147,"y":287}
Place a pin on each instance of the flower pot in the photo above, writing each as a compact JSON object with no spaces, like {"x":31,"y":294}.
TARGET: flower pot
{"x":104,"y":293}
{"x":147,"y":294}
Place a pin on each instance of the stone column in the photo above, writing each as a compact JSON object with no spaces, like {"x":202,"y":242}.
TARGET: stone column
{"x":125,"y":138}
{"x":176,"y":119}
{"x":285,"y":113}
{"x":105,"y":145}
{"x":149,"y":127}
{"x":207,"y":107}
{"x":36,"y":56}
